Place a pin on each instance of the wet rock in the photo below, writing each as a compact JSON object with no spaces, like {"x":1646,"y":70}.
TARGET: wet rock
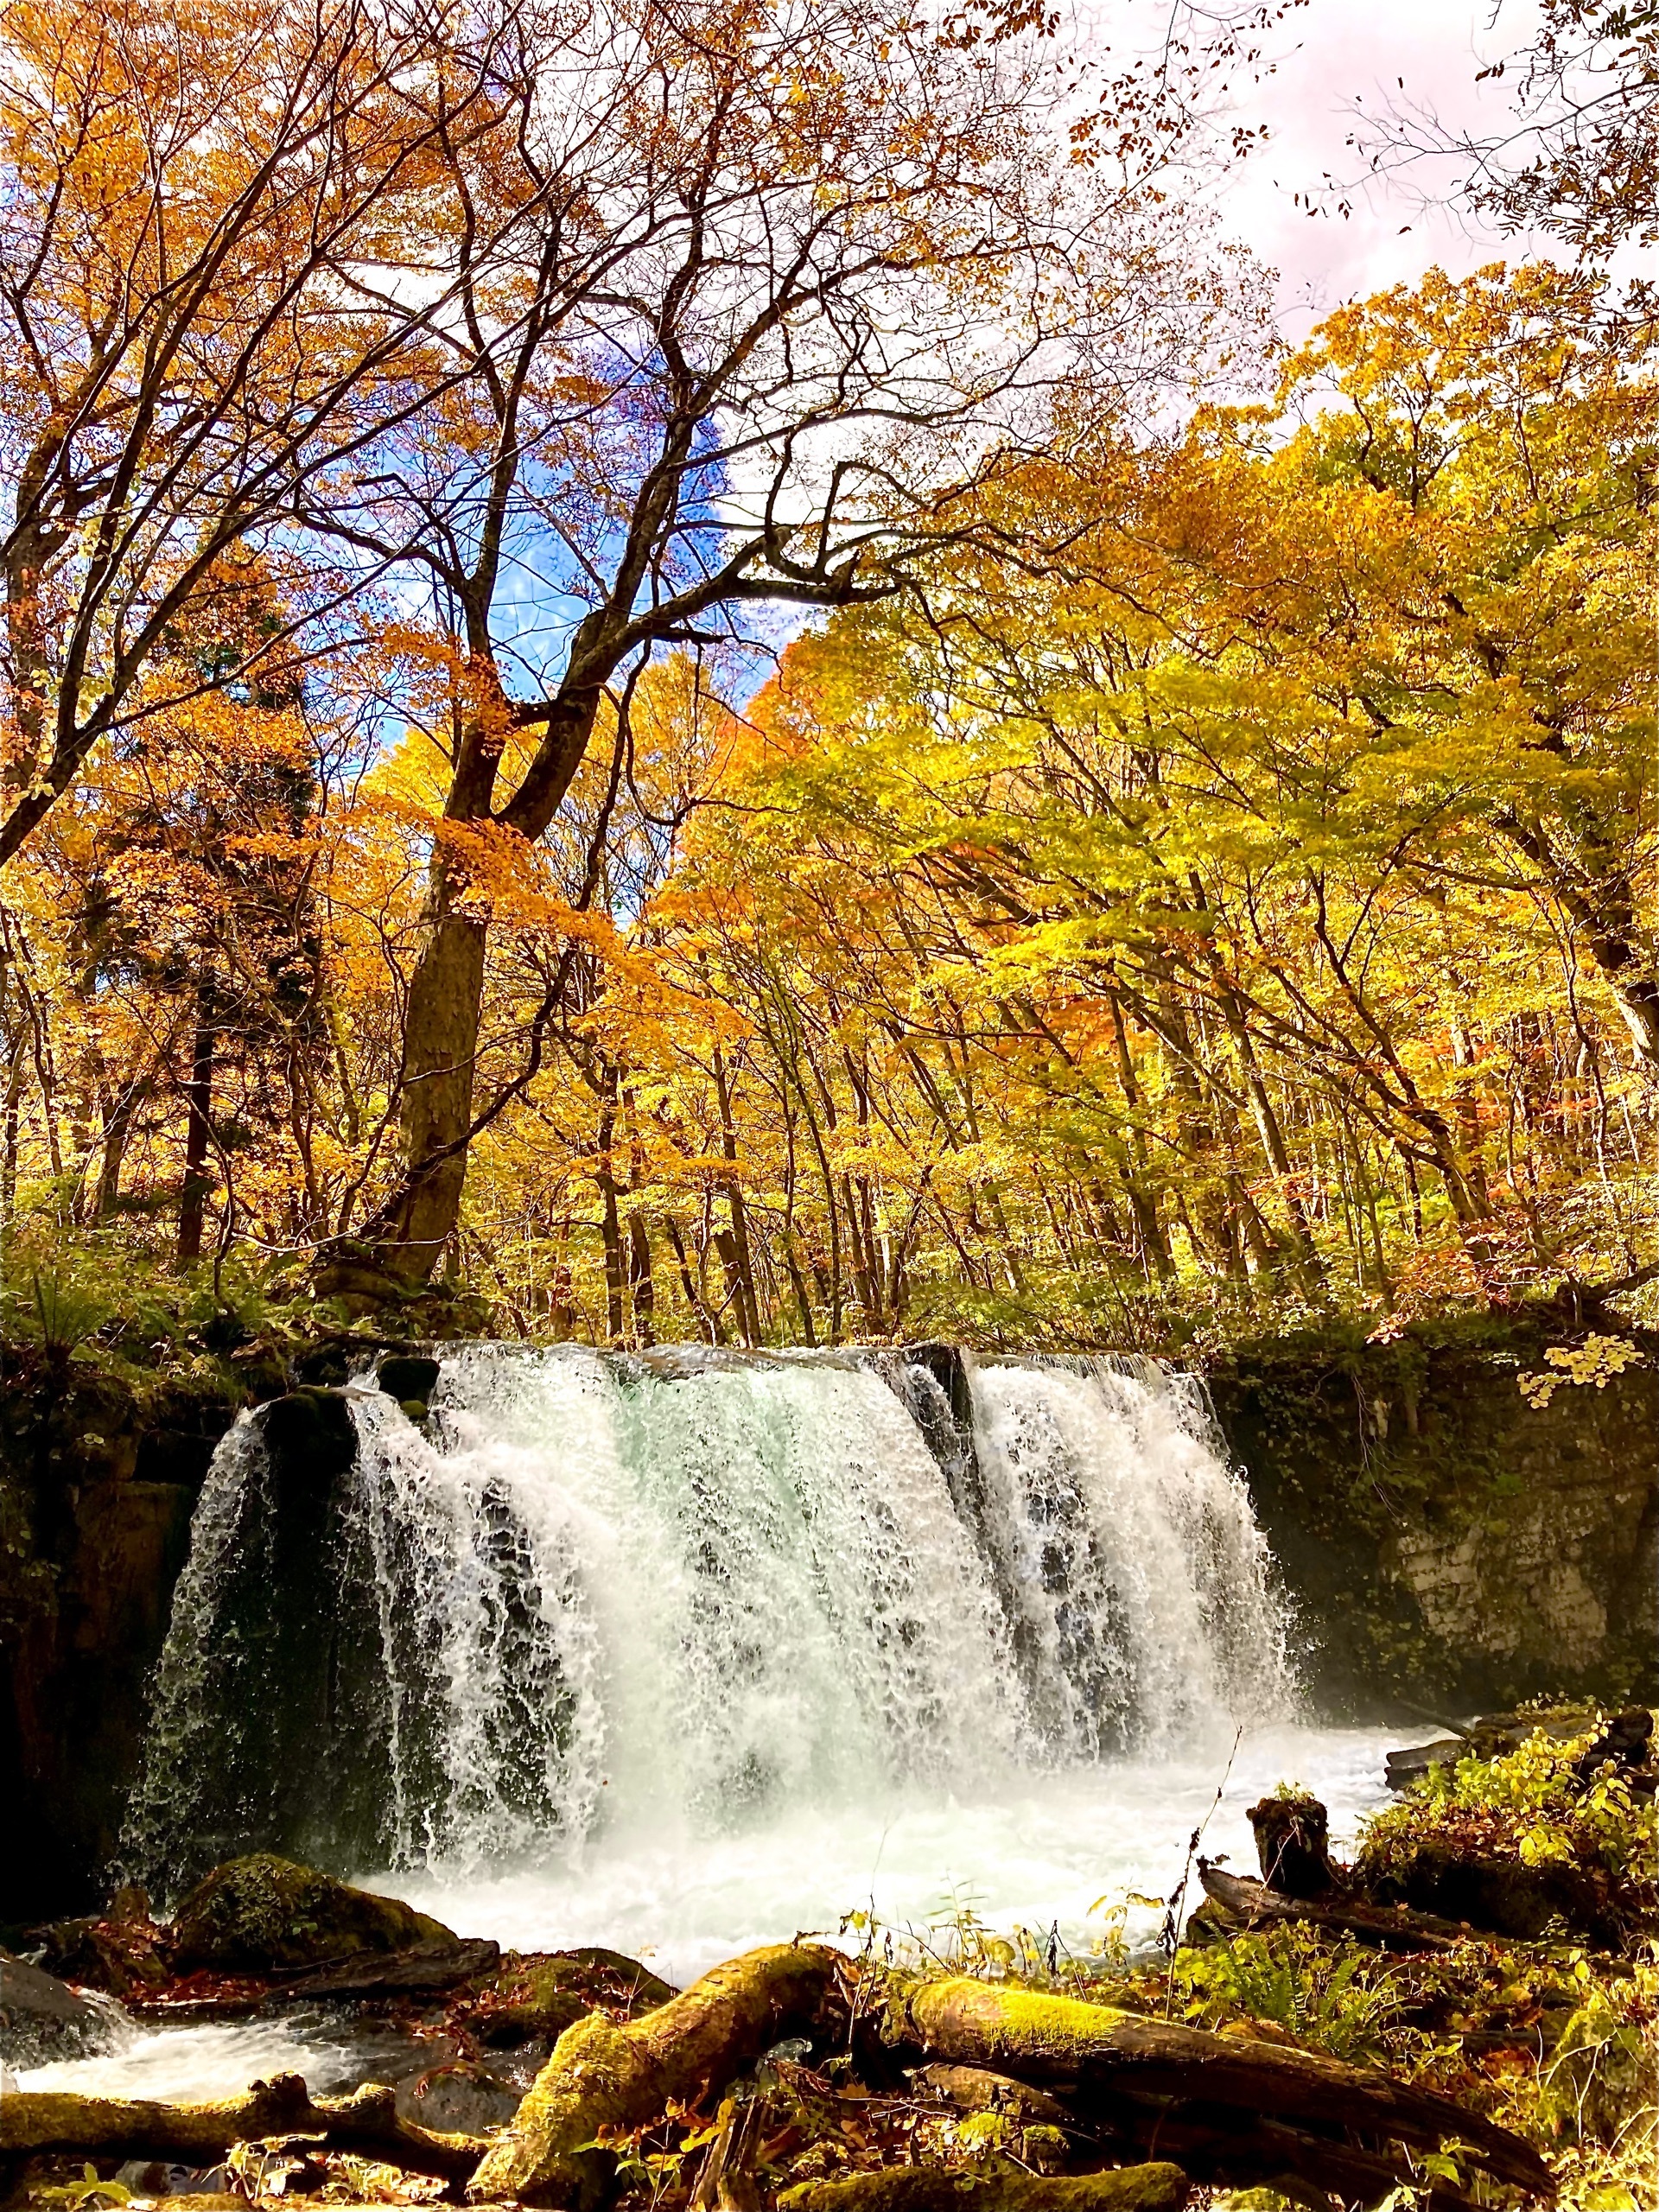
{"x":121,"y":1950}
{"x":42,"y":2019}
{"x":535,"y":1996}
{"x":265,"y":1915}
{"x":1403,"y":1768}
{"x":461,"y":2098}
{"x":406,"y":1378}
{"x":205,"y":2186}
{"x":310,"y":1438}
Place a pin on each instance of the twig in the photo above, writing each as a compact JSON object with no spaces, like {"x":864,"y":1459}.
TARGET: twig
{"x":1170,"y":1935}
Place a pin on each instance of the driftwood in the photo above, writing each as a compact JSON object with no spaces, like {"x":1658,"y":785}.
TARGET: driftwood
{"x":1092,"y":2055}
{"x":606,"y":2075}
{"x":1397,"y":1928}
{"x":1160,"y":2187}
{"x":423,"y":1966}
{"x":201,"y":2134}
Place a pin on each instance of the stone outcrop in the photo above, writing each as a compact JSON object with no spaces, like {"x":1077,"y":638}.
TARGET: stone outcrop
{"x":1449,"y":1546}
{"x":98,"y":1479}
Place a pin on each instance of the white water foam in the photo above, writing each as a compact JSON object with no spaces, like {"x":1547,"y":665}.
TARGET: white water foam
{"x":683,"y":1653}
{"x":1038,"y":1854}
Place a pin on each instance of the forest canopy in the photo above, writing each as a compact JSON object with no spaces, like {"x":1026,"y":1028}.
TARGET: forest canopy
{"x":706,"y":677}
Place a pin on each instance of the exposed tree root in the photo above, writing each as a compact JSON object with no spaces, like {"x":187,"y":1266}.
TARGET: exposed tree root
{"x":201,"y":2134}
{"x":602,"y":2076}
{"x":1160,"y":2187}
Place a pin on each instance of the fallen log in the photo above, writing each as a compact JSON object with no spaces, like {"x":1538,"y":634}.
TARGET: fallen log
{"x":1253,"y":1904}
{"x":603,"y":2075}
{"x":201,"y":2134}
{"x":1157,"y":2188}
{"x":972,"y":2088}
{"x":369,"y":1974}
{"x":1234,"y":2148}
{"x":1088,"y":2052}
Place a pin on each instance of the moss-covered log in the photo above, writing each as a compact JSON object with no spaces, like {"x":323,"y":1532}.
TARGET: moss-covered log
{"x":603,"y":2075}
{"x":1093,"y":2051}
{"x":1157,"y":2188}
{"x":200,"y":2133}
{"x":1250,"y":1904}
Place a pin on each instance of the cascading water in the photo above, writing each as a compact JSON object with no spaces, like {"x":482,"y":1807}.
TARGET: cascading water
{"x":693,"y":1595}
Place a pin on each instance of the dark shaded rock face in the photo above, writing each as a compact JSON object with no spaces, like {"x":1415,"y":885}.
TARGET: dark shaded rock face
{"x":42,"y":2019}
{"x":409,"y":1379}
{"x":98,"y":1482}
{"x":1449,"y":1546}
{"x":264,"y":1915}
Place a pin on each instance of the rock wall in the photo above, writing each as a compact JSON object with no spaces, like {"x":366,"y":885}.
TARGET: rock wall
{"x":99,"y":1478}
{"x":1449,"y":1546}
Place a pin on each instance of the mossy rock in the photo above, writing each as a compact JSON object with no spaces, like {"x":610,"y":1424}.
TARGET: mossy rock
{"x":534,"y":1997}
{"x":265,"y":1915}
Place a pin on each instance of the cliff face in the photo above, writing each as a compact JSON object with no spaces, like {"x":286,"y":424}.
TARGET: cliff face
{"x":1449,"y":1544}
{"x":98,"y":1482}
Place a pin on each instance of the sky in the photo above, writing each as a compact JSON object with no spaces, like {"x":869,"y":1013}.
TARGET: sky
{"x":1335,"y":59}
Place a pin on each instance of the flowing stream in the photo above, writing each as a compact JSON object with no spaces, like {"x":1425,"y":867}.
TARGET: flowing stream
{"x":681,"y":1651}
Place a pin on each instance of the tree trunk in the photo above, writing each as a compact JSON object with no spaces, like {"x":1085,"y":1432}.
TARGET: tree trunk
{"x":43,"y":2121}
{"x":642,"y":1284}
{"x":440,"y":1054}
{"x":199,"y":1099}
{"x":1087,"y":2051}
{"x":1292,"y":1846}
{"x":1156,"y":2187}
{"x":606,"y":2075}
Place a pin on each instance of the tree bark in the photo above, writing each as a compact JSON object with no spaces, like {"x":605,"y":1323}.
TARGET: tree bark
{"x":1157,"y":2188}
{"x":43,"y":2120}
{"x":602,"y":2076}
{"x":1249,"y":1903}
{"x":1292,"y":1846}
{"x":440,"y":1056}
{"x":1089,"y":2051}
{"x":199,"y":1128}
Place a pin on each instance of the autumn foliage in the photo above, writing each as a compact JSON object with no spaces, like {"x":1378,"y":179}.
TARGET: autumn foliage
{"x":1188,"y":863}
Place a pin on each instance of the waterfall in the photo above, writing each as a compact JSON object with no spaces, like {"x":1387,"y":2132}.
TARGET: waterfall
{"x":691,"y":1591}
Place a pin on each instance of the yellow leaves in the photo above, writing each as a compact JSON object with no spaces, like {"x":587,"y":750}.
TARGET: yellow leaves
{"x":1594,"y":1362}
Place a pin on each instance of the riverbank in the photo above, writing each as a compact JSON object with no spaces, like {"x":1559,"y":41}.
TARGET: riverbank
{"x":1275,"y":2050}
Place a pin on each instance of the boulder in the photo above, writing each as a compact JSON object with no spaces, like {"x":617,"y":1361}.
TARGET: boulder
{"x":460,"y":2098}
{"x":265,"y":1915}
{"x":121,"y":1950}
{"x":1404,"y":1767}
{"x":408,"y":1379}
{"x":535,"y":1996}
{"x":42,"y":2019}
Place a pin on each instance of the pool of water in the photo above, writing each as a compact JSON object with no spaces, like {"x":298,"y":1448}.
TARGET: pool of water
{"x":1046,"y":1850}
